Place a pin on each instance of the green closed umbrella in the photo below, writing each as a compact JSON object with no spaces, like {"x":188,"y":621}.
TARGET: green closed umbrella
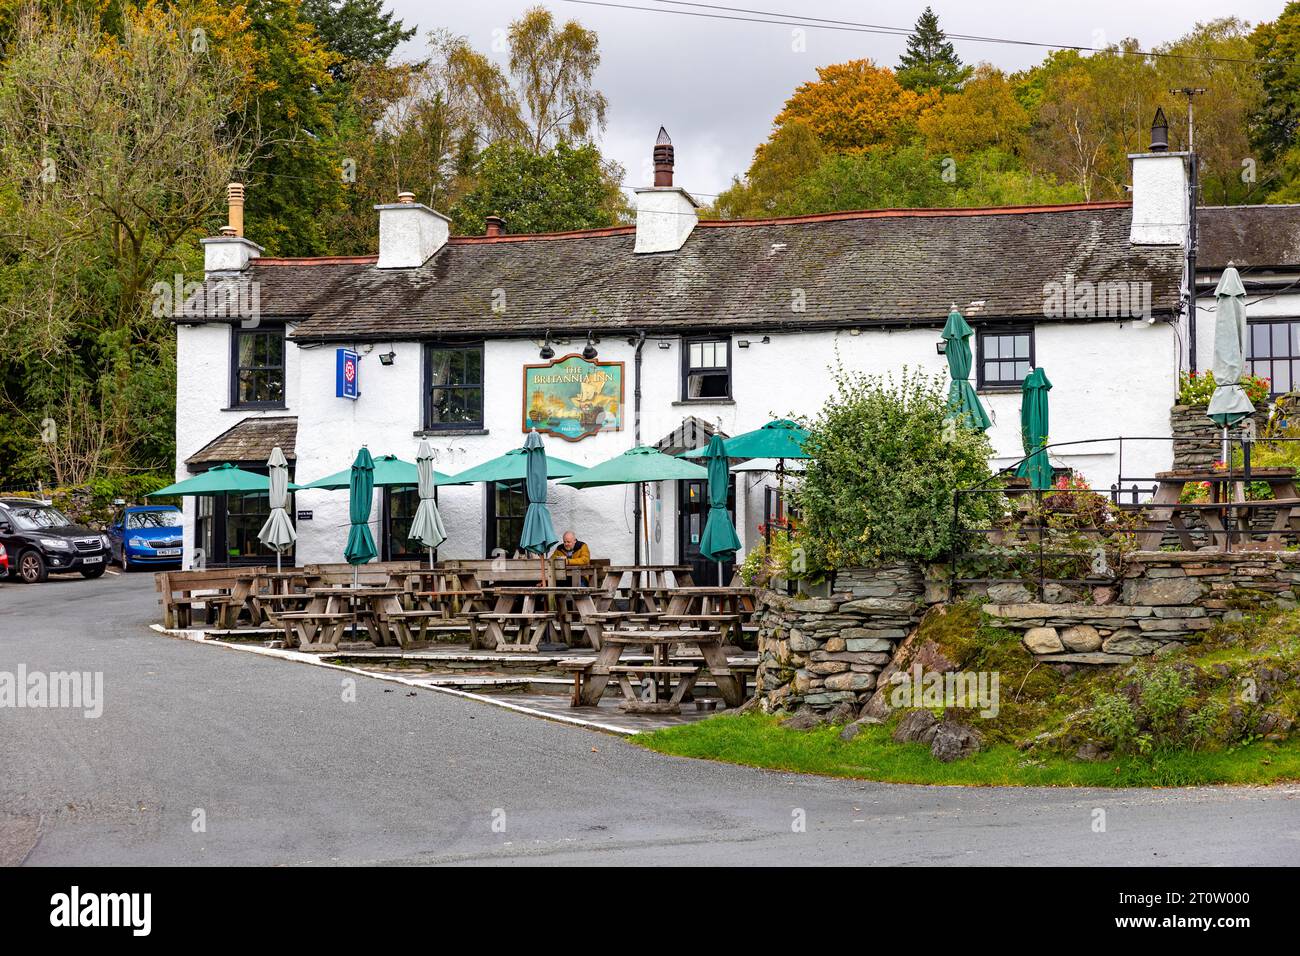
{"x":361,"y":544}
{"x":223,"y":479}
{"x":1229,"y":404}
{"x":277,"y":533}
{"x":538,"y":535}
{"x":390,"y":472}
{"x":719,"y":541}
{"x":963,"y":404}
{"x":1033,"y":429}
{"x":426,"y":526}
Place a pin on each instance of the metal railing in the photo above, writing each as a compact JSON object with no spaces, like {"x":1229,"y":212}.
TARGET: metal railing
{"x":1097,"y":538}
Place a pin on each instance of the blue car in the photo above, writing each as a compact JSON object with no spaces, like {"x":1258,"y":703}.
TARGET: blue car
{"x":146,"y":535}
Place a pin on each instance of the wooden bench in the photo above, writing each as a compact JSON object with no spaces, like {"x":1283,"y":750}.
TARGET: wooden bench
{"x":315,"y":631}
{"x":647,"y":701}
{"x":225,"y":590}
{"x":580,"y":667}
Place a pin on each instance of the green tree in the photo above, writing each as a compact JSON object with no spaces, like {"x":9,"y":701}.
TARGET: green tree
{"x":567,"y":187}
{"x":885,"y":463}
{"x":779,"y":166}
{"x":359,"y":31}
{"x":117,"y":153}
{"x":548,"y":96}
{"x":930,"y":62}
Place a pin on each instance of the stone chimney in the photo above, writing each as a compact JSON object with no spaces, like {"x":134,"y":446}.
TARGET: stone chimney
{"x":409,"y":233}
{"x":494,"y":226}
{"x":230,"y":251}
{"x":1161,"y":202}
{"x":665,"y":214}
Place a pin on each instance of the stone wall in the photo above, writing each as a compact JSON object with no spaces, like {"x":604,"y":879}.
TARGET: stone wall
{"x":1165,"y":601}
{"x":1198,"y":442}
{"x":824,"y":653}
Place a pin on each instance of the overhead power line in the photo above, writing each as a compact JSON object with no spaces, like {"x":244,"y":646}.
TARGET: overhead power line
{"x":717,"y":12}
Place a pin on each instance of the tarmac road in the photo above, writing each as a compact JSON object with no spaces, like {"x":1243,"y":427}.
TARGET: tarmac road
{"x":209,"y":756}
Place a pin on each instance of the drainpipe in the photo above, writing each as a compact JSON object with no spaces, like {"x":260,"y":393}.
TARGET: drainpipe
{"x":1192,"y":188}
{"x":637,"y":507}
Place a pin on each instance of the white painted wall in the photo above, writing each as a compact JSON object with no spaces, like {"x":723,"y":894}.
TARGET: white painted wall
{"x":1109,"y":378}
{"x":203,"y":399}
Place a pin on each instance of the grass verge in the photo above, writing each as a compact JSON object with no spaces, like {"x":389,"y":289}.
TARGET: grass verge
{"x":756,"y":740}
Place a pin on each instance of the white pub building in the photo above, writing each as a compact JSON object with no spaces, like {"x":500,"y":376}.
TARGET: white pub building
{"x":661,"y":332}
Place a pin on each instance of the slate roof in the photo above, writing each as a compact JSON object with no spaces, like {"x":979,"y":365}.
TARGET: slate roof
{"x":1250,"y":237}
{"x":249,"y":441}
{"x":883,"y":267}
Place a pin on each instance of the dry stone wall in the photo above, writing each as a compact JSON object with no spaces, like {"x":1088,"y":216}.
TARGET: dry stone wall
{"x":1165,"y":601}
{"x":824,"y":653}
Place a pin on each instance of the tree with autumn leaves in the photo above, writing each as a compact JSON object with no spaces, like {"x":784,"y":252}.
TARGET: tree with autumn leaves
{"x":935,"y":132}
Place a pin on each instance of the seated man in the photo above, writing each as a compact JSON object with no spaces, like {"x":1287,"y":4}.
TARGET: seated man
{"x":572,"y":550}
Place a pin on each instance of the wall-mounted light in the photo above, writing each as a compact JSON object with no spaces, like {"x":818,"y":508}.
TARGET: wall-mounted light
{"x":547,"y":353}
{"x":941,"y":346}
{"x":387,"y":358}
{"x":745,"y":343}
{"x":589,"y":353}
{"x":665,"y":344}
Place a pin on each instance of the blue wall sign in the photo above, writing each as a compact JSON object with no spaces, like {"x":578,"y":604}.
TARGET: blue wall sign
{"x":347,"y":374}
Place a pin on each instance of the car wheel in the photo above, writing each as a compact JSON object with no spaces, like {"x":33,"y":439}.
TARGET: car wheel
{"x":95,"y":572}
{"x":31,"y":567}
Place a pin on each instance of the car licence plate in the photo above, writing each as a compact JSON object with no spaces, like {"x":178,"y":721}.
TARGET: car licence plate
{"x":95,"y":560}
{"x":169,"y":552}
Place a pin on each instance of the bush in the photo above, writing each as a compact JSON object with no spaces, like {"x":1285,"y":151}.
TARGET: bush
{"x":885,"y":463}
{"x":1197,"y":388}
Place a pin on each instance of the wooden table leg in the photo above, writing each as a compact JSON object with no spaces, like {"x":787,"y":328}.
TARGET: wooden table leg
{"x":594,"y":687}
{"x":720,"y":670}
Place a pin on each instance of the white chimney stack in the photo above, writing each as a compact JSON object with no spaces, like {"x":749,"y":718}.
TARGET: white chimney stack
{"x":665,"y":214}
{"x":409,"y":233}
{"x":1161,"y":201}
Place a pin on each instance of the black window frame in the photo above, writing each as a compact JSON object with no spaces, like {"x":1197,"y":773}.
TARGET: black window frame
{"x":983,"y":333}
{"x":426,"y":378}
{"x":236,"y":332}
{"x":1291,"y":358}
{"x":687,"y":371}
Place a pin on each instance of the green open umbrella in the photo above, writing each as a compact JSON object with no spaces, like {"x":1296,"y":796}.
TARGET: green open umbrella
{"x":512,"y":466}
{"x":390,"y":472}
{"x":719,"y":541}
{"x":220,"y":480}
{"x":426,"y":526}
{"x":634,"y":466}
{"x":1033,"y":429}
{"x":538,"y":536}
{"x":361,"y":544}
{"x":779,"y":438}
{"x":1229,"y":404}
{"x":963,"y":404}
{"x":277,"y":533}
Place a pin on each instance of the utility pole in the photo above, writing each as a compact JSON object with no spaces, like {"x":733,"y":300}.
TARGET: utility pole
{"x":1193,"y":188}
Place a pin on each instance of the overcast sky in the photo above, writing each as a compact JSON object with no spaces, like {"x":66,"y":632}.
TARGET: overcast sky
{"x":717,"y":84}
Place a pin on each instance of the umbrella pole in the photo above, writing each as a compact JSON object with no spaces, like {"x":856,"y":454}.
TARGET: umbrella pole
{"x":645,"y":520}
{"x":431,"y":559}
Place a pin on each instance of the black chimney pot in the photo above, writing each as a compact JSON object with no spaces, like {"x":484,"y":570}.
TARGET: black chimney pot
{"x":1160,"y":132}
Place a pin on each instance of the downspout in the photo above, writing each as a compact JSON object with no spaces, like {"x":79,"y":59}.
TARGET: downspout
{"x":636,"y":438}
{"x":1192,"y":187}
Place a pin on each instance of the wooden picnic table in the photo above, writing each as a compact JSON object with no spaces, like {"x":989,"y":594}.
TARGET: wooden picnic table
{"x":679,"y":677}
{"x":536,"y":612}
{"x":712,"y":600}
{"x":323,"y":623}
{"x":1226,"y":508}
